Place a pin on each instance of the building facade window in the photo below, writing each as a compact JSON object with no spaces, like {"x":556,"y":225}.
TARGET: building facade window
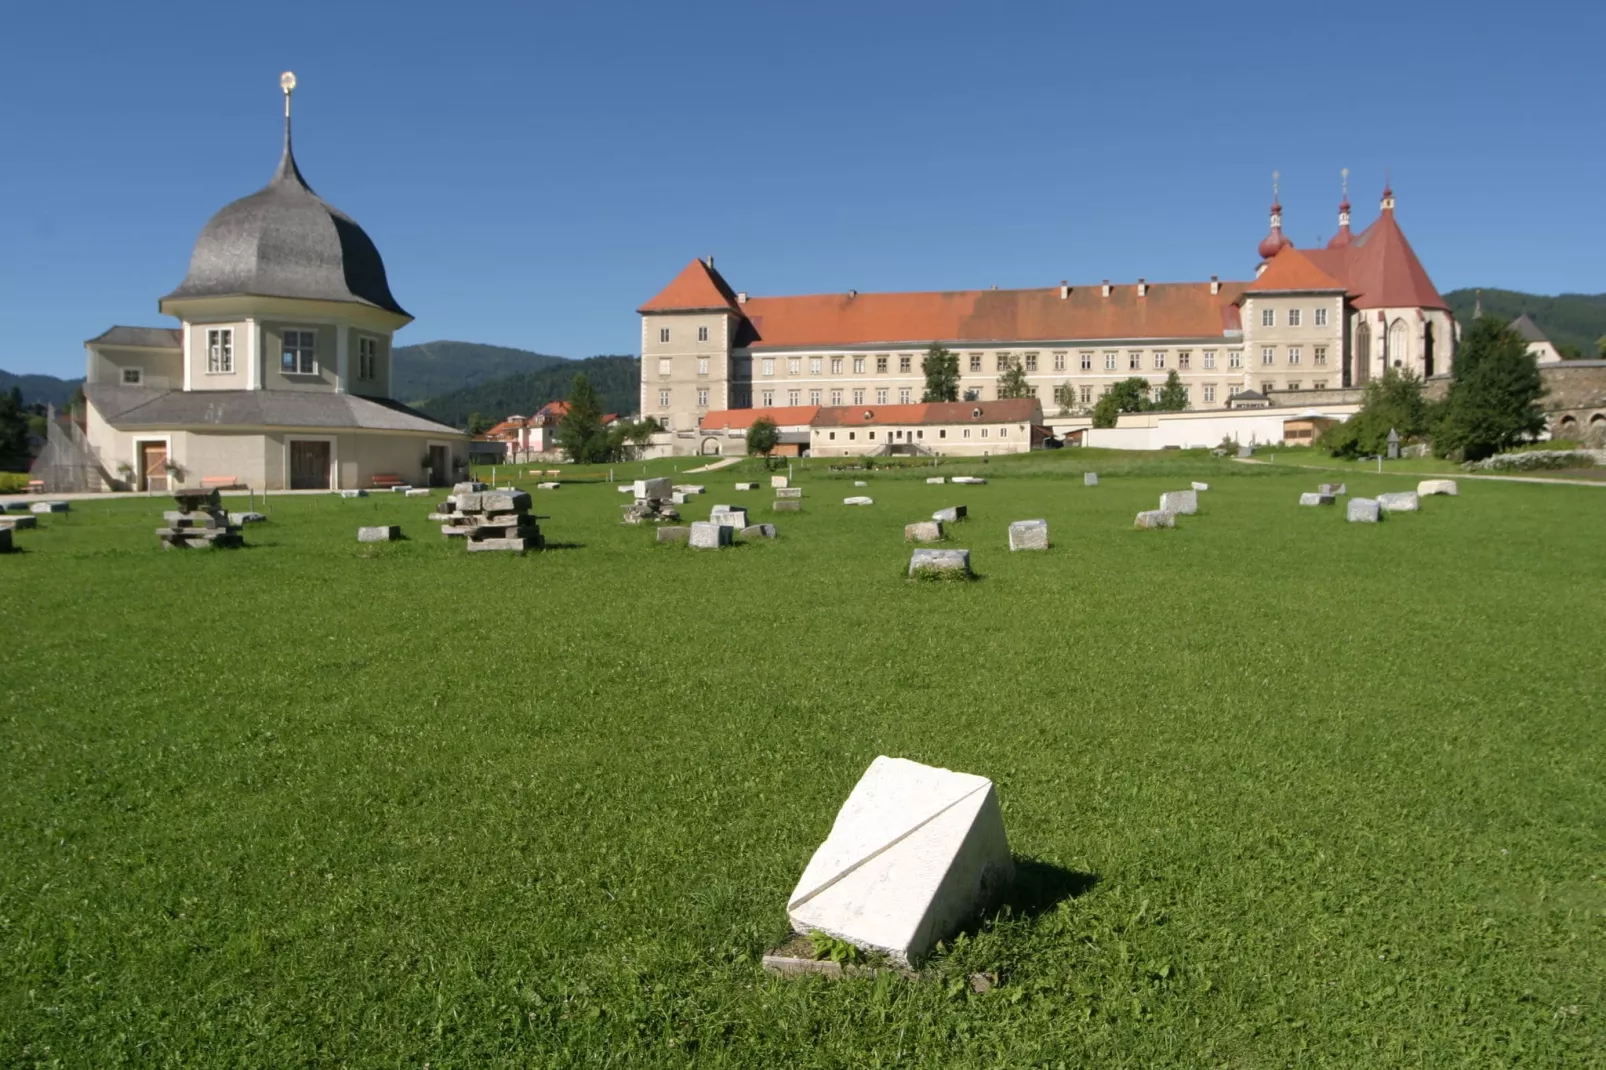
{"x":1209,"y":392}
{"x":1235,"y":358}
{"x":767,"y":398}
{"x":794,"y":398}
{"x":1293,"y":317}
{"x":1002,"y":361}
{"x":1293,"y":384}
{"x":665,"y":366}
{"x":367,"y":358}
{"x":836,"y":365}
{"x":1031,"y":362}
{"x":881,"y":396}
{"x":1134,"y":361}
{"x":858,"y":397}
{"x":702,"y":334}
{"x":663,"y":334}
{"x":663,"y":399}
{"x":220,"y":351}
{"x":794,"y":366}
{"x":1210,"y":360}
{"x":906,"y":363}
{"x":1085,"y":359}
{"x":836,"y":397}
{"x":1154,"y":393}
{"x":1184,"y":358}
{"x":975,"y":362}
{"x":1294,"y":354}
{"x":702,"y":397}
{"x":769,"y":366}
{"x":1159,"y":359}
{"x":903,"y":396}
{"x":1059,"y":362}
{"x":1320,"y":384}
{"x":133,"y":376}
{"x":881,"y":365}
{"x":858,"y":365}
{"x":816,"y":365}
{"x":814,"y":397}
{"x":1087,"y":395}
{"x":1268,"y":355}
{"x":1321,"y":317}
{"x":702,"y":365}
{"x":1267,"y":386}
{"x":300,"y":353}
{"x":742,"y":399}
{"x":1268,"y":317}
{"x":1319,"y":355}
{"x":1109,"y":360}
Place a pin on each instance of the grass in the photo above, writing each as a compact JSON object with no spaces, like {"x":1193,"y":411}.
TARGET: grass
{"x":1286,"y":791}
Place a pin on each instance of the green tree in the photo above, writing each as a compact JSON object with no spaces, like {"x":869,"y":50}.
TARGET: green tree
{"x":1495,"y":389}
{"x":1129,"y":395}
{"x":762,"y":437}
{"x":581,"y":436}
{"x":1013,"y":384}
{"x":1600,"y":346}
{"x":1393,"y":403}
{"x":13,"y":431}
{"x":1173,"y":396}
{"x":627,"y":440}
{"x":1065,"y":398}
{"x":478,"y":425}
{"x":942,"y":374}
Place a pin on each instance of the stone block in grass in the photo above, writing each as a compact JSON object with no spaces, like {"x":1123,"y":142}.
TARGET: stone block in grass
{"x":662,"y":487}
{"x":1429,"y":487}
{"x":730,"y":517}
{"x":778,"y":482}
{"x":858,"y":499}
{"x":514,"y":544}
{"x":706,"y":535}
{"x":1201,"y":486}
{"x":1404,"y":501}
{"x":1090,"y":479}
{"x":914,"y":853}
{"x":355,"y":492}
{"x":1363,"y":511}
{"x":48,"y":507}
{"x":1028,"y":535}
{"x":974,"y":481}
{"x":19,"y":523}
{"x":747,"y":486}
{"x":470,"y":487}
{"x":787,"y":505}
{"x":951,"y":515}
{"x":759,"y":531}
{"x":1338,"y":490}
{"x":1316,"y":499}
{"x":381,"y":533}
{"x":789,"y":492}
{"x":1182,"y":502}
{"x":936,"y":479}
{"x":1156,"y":518}
{"x":674,"y":533}
{"x":924,"y":531}
{"x":940,"y":565}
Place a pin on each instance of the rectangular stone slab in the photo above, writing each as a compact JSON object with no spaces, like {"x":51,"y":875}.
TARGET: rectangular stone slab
{"x":1090,"y":479}
{"x":710,"y":536}
{"x":1156,"y":518}
{"x":1335,"y":489}
{"x":661,"y":487}
{"x":787,"y":505}
{"x":789,"y":492}
{"x":517,"y":546}
{"x":674,"y":533}
{"x":759,"y":531}
{"x":858,"y":499}
{"x":19,"y":523}
{"x":381,"y":533}
{"x":956,"y":562}
{"x":951,"y":515}
{"x":914,"y":853}
{"x":736,"y":518}
{"x":1201,"y":486}
{"x":924,"y":531}
{"x":1316,"y":499}
{"x":505,"y":501}
{"x":47,"y":507}
{"x":778,"y":482}
{"x":747,"y":486}
{"x":1363,"y":511}
{"x":974,"y":481}
{"x":418,"y":492}
{"x":1404,"y":501}
{"x":1028,"y":535}
{"x":937,"y":479}
{"x":1184,"y":502}
{"x":468,"y":488}
{"x":359,"y":493}
{"x":1437,"y":486}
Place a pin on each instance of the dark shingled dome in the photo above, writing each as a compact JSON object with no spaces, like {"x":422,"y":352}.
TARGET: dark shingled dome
{"x":283,"y":241}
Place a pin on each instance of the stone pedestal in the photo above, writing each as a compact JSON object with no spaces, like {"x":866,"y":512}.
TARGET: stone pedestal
{"x":951,"y":515}
{"x":1316,"y":499}
{"x":858,"y":499}
{"x":674,"y":533}
{"x":1090,"y":479}
{"x":937,"y":479}
{"x":198,"y":521}
{"x":19,"y":523}
{"x":789,"y":492}
{"x":490,"y":519}
{"x":1437,"y":486}
{"x":48,"y":507}
{"x":787,"y":505}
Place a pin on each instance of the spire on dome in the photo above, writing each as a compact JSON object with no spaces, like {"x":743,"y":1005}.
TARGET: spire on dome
{"x":1388,"y":194}
{"x":287,"y":162}
{"x":1275,"y":242}
{"x":1343,"y":238}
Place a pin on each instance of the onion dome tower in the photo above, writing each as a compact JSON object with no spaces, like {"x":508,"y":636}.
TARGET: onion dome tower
{"x":1275,"y":242}
{"x":1344,"y":237}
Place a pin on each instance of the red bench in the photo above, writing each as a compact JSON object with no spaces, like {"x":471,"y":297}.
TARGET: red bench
{"x":221,"y":483}
{"x":386,"y":482}
{"x":36,"y":486}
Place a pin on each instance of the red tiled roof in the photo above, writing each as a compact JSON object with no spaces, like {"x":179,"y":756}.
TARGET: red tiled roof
{"x":1167,"y":310}
{"x":1013,"y":410}
{"x":1385,"y":272}
{"x":740,"y":419}
{"x":696,"y":288}
{"x":1293,"y":269}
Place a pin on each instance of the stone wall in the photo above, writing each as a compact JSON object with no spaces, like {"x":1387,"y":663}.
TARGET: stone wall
{"x":1301,"y":399}
{"x":1575,"y":399}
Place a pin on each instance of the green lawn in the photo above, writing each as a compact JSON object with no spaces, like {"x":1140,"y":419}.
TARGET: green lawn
{"x":1291,"y":791}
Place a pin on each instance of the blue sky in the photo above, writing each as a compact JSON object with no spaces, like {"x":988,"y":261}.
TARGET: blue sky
{"x":533,"y":172}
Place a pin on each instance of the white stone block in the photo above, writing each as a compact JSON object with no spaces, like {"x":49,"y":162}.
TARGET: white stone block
{"x":972,"y":480}
{"x":858,"y":499}
{"x":547,"y":486}
{"x":1404,"y":501}
{"x":1363,"y":511}
{"x":1437,"y":486}
{"x":660,"y":488}
{"x":777,"y":482}
{"x":48,"y":507}
{"x":788,"y":492}
{"x":915,"y":852}
{"x":710,"y":536}
{"x":747,"y":486}
{"x":1156,"y":518}
{"x":860,"y":483}
{"x":1090,"y":479}
{"x":955,"y":563}
{"x":1201,"y":486}
{"x":1028,"y":535}
{"x":358,"y":493}
{"x":924,"y":531}
{"x":1185,"y":502}
{"x":386,"y":533}
{"x":626,"y":488}
{"x":1316,"y":499}
{"x":724,"y":514}
{"x":937,"y":479}
{"x":419,"y":492}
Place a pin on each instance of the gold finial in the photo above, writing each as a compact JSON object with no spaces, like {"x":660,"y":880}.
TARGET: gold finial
{"x":287,"y":82}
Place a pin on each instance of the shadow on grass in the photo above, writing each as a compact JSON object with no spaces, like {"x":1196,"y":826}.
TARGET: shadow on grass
{"x":563,"y":546}
{"x":1040,"y":887}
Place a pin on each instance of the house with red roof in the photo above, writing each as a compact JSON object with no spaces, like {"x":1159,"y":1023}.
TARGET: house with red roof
{"x":1312,"y":324}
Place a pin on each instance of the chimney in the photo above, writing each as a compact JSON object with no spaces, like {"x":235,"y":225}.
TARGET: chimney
{"x":853,"y":293}
{"x":710,"y":261}
{"x":1065,"y":289}
{"x":1143,"y":287}
{"x":741,"y":297}
{"x":1215,"y":284}
{"x":1106,"y":287}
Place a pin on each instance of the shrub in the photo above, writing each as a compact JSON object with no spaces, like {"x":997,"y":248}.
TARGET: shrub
{"x":1533,"y":461}
{"x":13,"y":482}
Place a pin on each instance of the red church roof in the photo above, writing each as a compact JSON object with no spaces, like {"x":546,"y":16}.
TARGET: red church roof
{"x":1380,"y":268}
{"x":697,"y":288}
{"x":1293,"y":269}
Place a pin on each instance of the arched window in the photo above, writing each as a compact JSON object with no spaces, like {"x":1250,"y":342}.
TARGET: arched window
{"x":1363,"y":354}
{"x":1399,"y":345}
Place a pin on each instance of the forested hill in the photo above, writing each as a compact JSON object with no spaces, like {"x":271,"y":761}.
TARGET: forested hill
{"x":435,"y":368}
{"x":617,"y":380}
{"x":41,"y":389}
{"x":1572,"y":321}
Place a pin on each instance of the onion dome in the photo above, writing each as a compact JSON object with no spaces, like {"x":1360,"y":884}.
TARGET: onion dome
{"x":284,"y":241}
{"x":1274,"y":243}
{"x":1344,"y":236}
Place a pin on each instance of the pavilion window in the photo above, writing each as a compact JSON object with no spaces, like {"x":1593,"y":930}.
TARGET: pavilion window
{"x":220,"y":351}
{"x":299,"y":353}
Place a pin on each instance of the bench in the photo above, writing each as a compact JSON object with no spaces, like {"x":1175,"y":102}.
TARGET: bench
{"x":386,"y":482}
{"x":36,"y":486}
{"x":221,"y":483}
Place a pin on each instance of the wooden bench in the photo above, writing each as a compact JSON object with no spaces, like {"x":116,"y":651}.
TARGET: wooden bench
{"x":221,"y":483}
{"x":386,"y":482}
{"x":36,"y":486}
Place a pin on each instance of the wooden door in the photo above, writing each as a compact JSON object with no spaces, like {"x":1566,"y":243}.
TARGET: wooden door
{"x":439,"y":461}
{"x":309,"y":465}
{"x":153,"y":465}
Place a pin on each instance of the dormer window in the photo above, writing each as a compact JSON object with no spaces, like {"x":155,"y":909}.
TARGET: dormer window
{"x":367,"y":358}
{"x":300,"y":353}
{"x":133,"y":376}
{"x":220,"y":351}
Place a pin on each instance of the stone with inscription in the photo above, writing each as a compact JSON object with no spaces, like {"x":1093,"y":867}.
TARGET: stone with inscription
{"x":1028,"y":535}
{"x":42,"y":508}
{"x":1363,"y":511}
{"x":357,"y":492}
{"x":652,"y":488}
{"x":914,"y":854}
{"x":747,"y":486}
{"x":759,"y":531}
{"x":936,"y":479}
{"x":787,"y":505}
{"x":724,"y":514}
{"x":1201,"y":486}
{"x":674,"y":533}
{"x":789,"y":492}
{"x":974,"y":481}
{"x":777,"y":482}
